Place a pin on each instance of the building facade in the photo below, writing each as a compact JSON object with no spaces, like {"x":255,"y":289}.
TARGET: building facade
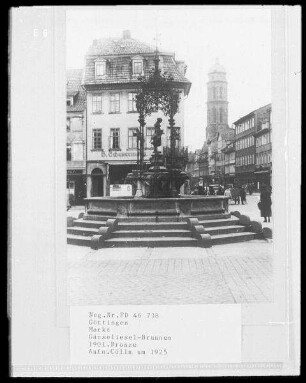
{"x":229,"y":163}
{"x":245,"y":149}
{"x":197,"y":168}
{"x":76,"y":134}
{"x":111,"y":81}
{"x":253,"y":148}
{"x":263,"y":143}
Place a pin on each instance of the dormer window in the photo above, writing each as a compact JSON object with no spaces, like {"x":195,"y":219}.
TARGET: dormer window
{"x":100,"y":68}
{"x":137,"y":66}
{"x":69,"y":101}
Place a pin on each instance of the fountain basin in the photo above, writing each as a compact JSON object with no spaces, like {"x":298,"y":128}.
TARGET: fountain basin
{"x":186,"y":206}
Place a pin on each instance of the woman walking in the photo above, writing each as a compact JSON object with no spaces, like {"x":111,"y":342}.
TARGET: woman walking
{"x":265,"y":204}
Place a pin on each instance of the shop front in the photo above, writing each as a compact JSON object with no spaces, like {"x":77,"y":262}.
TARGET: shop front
{"x":263,"y":177}
{"x":76,"y":187}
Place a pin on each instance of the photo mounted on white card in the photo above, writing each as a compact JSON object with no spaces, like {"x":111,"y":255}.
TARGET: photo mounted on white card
{"x":161,"y":242}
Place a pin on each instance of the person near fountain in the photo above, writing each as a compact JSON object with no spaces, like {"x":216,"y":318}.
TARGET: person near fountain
{"x":265,"y":204}
{"x":236,"y":195}
{"x":227,"y":192}
{"x":220,"y":191}
{"x":242,"y":195}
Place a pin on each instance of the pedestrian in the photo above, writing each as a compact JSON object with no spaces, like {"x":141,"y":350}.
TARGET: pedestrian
{"x":201,"y":190}
{"x":265,"y":204}
{"x":220,"y":191}
{"x":227,"y":193}
{"x":236,"y":195}
{"x":211,"y":190}
{"x":242,"y":195}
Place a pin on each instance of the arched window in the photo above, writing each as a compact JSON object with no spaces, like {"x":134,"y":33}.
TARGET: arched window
{"x":221,"y":117}
{"x":214,"y":93}
{"x":214,"y":115}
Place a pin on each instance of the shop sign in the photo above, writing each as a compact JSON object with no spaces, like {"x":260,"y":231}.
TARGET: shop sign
{"x":122,"y":155}
{"x":74,"y":172}
{"x":120,"y":190}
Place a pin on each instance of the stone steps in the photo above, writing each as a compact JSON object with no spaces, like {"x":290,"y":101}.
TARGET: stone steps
{"x":232,"y":237}
{"x":151,"y":233}
{"x":79,"y":240}
{"x":151,"y":225}
{"x":87,"y":231}
{"x":219,"y":222}
{"x":94,"y":217}
{"x":146,"y":232}
{"x":89,"y":223}
{"x":150,"y":242}
{"x":216,"y":230}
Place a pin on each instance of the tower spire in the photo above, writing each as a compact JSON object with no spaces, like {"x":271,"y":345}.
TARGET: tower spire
{"x":156,"y":59}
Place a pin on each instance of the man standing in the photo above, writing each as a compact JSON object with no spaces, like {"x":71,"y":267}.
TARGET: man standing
{"x":242,"y":195}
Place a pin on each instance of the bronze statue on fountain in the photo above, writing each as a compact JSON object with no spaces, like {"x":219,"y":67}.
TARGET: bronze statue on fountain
{"x":159,"y":181}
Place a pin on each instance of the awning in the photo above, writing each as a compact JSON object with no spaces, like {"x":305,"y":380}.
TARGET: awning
{"x":262,"y":171}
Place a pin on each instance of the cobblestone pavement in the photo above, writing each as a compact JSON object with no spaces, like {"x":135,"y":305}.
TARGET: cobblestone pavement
{"x":232,"y":273}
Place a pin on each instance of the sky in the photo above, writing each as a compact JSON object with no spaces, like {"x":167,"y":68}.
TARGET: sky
{"x":239,"y":36}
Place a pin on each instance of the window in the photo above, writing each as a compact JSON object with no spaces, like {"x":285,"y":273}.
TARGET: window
{"x":68,"y":153}
{"x":115,"y":138}
{"x":97,"y":138}
{"x":68,"y":123}
{"x":221,"y":92}
{"x":149,"y":134}
{"x":214,"y":93}
{"x":97,"y":103}
{"x":137,"y":67}
{"x":252,"y":122}
{"x":132,"y":138}
{"x":69,"y":101}
{"x":221,"y":113}
{"x":114,"y":103}
{"x":100,"y":68}
{"x":132,"y":102}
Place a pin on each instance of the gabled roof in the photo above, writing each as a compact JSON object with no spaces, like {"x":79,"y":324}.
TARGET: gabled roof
{"x":258,"y":111}
{"x":119,"y":53}
{"x":74,"y":89}
{"x":118,"y":46}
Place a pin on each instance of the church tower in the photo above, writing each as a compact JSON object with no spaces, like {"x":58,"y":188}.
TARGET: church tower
{"x":217,"y":104}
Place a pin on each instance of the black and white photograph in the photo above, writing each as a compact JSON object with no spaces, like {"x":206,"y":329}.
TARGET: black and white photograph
{"x":164,"y":149}
{"x":169,"y":157}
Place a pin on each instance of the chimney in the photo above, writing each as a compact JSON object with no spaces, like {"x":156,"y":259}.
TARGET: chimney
{"x":126,"y":34}
{"x":182,"y":67}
